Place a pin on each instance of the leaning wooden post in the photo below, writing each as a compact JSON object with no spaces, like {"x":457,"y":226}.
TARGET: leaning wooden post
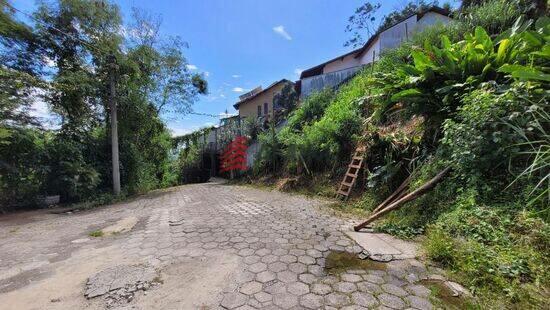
{"x":411,"y":196}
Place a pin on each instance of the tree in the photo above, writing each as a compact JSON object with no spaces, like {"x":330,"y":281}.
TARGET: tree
{"x":364,"y":19}
{"x":361,"y":21}
{"x":287,"y":98}
{"x":171,"y":86}
{"x":18,"y":72}
{"x":404,"y":12}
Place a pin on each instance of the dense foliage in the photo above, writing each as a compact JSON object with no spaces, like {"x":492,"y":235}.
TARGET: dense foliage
{"x":65,"y":60}
{"x":472,"y":95}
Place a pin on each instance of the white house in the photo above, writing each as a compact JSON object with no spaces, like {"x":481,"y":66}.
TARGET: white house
{"x":337,"y":70}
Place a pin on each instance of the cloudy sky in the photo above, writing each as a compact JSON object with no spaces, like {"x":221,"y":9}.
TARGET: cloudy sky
{"x":240,"y":44}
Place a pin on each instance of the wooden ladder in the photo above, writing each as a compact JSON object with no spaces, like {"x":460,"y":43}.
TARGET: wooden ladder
{"x":353,"y":171}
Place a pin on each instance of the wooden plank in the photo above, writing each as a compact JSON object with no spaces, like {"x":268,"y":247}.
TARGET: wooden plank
{"x":343,"y":193}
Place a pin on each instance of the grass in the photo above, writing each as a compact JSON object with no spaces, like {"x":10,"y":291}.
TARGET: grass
{"x":96,"y":233}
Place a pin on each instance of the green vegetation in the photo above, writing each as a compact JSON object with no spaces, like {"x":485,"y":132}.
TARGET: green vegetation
{"x":96,"y":233}
{"x":65,"y":60}
{"x":473,"y":96}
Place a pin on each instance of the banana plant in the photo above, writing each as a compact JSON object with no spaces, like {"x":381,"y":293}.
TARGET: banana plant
{"x":438,"y":76}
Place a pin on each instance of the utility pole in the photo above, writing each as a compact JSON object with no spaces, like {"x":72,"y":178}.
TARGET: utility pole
{"x":114,"y":126}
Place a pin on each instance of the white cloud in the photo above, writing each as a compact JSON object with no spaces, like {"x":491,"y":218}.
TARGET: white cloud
{"x":206,"y":73}
{"x":280,"y":30}
{"x":191,"y":67}
{"x":238,"y":89}
{"x":236,"y":76}
{"x":298,"y":71}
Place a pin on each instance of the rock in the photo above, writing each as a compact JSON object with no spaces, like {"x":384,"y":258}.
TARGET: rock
{"x":381,"y":258}
{"x":436,"y":277}
{"x":457,"y":289}
{"x":364,"y":254}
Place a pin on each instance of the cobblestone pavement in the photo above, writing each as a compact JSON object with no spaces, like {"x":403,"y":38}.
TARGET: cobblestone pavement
{"x":281,"y":241}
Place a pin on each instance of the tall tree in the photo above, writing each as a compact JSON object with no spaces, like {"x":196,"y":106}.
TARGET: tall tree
{"x":287,"y":98}
{"x":363,"y":23}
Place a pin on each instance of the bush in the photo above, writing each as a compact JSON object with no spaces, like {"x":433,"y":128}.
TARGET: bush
{"x":330,"y":139}
{"x":440,"y":247}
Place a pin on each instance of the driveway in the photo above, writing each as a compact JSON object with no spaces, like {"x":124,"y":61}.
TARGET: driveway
{"x":203,"y":246}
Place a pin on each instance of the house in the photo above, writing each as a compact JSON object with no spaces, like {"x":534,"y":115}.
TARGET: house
{"x":337,"y":70}
{"x":259,"y":102}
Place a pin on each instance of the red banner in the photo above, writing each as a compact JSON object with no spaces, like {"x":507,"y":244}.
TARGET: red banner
{"x":233,"y":156}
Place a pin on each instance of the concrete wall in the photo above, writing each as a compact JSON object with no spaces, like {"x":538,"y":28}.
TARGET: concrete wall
{"x":332,"y":79}
{"x":250,"y":108}
{"x":394,"y":36}
{"x":430,"y":19}
{"x":373,"y":50}
{"x":341,"y":64}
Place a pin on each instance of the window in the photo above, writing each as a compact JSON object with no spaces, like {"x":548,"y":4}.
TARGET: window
{"x":266,"y":110}
{"x":259,"y":110}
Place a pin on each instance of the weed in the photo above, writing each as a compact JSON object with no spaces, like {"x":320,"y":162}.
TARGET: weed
{"x":96,"y":233}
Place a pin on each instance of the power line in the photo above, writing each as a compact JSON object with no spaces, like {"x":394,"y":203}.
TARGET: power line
{"x":89,"y":45}
{"x":210,"y":115}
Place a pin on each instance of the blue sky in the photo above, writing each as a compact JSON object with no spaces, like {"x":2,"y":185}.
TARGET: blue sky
{"x":240,"y":44}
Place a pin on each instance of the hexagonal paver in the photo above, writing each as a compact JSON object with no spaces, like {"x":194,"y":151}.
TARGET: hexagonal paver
{"x":263,"y":252}
{"x":288,"y":259}
{"x":287,"y":276}
{"x":321,"y":289}
{"x":297,"y":288}
{"x":251,"y":288}
{"x":419,"y":302}
{"x":233,"y":300}
{"x":351,"y":277}
{"x":270,"y":258}
{"x":285,"y":300}
{"x":337,"y":299}
{"x":245,"y":252}
{"x":311,"y":301}
{"x":345,"y":287}
{"x":308,"y":260}
{"x":277,"y":266}
{"x":307,"y":278}
{"x":263,"y":297}
{"x":257,"y":267}
{"x":418,"y":290}
{"x":275,"y":287}
{"x":314,"y":253}
{"x":363,"y":299}
{"x":394,"y":290}
{"x":251,"y":259}
{"x":391,"y":301}
{"x":297,"y":268}
{"x":369,"y":287}
{"x":374,"y":279}
{"x":265,"y":276}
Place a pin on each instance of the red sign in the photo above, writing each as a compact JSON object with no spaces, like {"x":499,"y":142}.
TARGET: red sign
{"x":233,"y":156}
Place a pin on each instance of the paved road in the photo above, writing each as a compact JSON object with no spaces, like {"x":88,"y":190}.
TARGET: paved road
{"x":213,"y":246}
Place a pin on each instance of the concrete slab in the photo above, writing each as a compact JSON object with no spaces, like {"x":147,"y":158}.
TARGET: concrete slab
{"x":384,"y":246}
